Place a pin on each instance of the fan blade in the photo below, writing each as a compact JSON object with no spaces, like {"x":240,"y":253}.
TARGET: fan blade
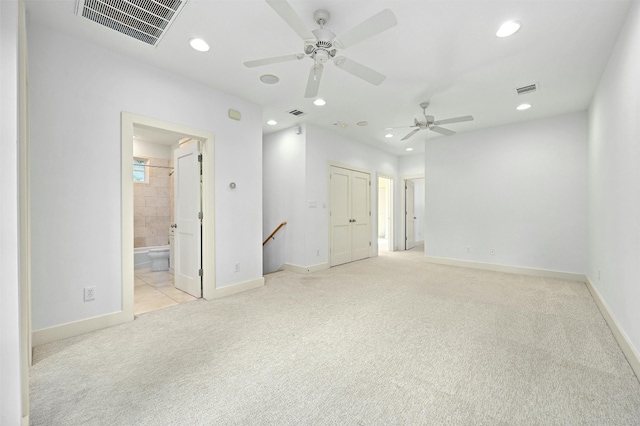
{"x":313,"y":84}
{"x":442,"y":131}
{"x":413,"y":132}
{"x":274,"y":60}
{"x":290,"y":16}
{"x":454,"y":120}
{"x":372,"y":26}
{"x":359,"y":70}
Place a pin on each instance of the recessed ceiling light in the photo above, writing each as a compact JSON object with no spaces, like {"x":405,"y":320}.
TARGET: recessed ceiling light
{"x":508,"y":28}
{"x":409,"y":149}
{"x":362,"y":123}
{"x":522,"y":107}
{"x":388,"y":135}
{"x":319,"y":102}
{"x":199,"y":44}
{"x":272,"y":122}
{"x":269,"y":79}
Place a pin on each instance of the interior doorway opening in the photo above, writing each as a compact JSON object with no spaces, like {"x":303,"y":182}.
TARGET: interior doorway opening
{"x":385,"y":214}
{"x":201,"y":176}
{"x":161,"y":174}
{"x":413,"y":206}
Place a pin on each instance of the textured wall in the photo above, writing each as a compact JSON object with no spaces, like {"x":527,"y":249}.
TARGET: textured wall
{"x":153,"y":205}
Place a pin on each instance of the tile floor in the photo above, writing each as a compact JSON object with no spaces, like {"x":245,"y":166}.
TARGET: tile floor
{"x":155,"y":290}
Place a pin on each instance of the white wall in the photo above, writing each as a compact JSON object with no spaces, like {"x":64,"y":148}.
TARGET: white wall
{"x":296,"y":172}
{"x":78,"y":92}
{"x":151,"y":149}
{"x":324,"y":146}
{"x":518,"y":189}
{"x":284,"y":198}
{"x":10,"y":388}
{"x":614,"y":182}
{"x":411,"y":165}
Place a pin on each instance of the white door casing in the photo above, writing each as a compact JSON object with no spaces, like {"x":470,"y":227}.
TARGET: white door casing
{"x":350,"y":219}
{"x":410,"y":217}
{"x":187,"y":206}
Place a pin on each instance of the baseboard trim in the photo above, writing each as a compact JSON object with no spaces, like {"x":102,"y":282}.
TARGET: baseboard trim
{"x":618,"y":333}
{"x":238,"y":288}
{"x":305,"y":269}
{"x":520,"y":270}
{"x":76,"y":328}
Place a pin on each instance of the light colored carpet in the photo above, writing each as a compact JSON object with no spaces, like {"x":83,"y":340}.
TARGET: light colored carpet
{"x":387,"y":340}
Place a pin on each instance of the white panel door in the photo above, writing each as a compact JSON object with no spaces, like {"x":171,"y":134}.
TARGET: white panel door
{"x":340,"y":222}
{"x":360,"y":216}
{"x":350,"y":222}
{"x":187,"y":204}
{"x":410,"y":216}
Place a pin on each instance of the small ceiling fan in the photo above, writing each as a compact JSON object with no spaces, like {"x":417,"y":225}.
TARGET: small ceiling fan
{"x":433,"y":125}
{"x":322,"y":44}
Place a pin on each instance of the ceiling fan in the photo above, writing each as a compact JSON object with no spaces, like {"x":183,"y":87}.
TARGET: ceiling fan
{"x":322,"y":44}
{"x":433,"y":125}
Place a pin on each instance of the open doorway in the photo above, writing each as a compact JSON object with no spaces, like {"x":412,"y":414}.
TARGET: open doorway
{"x":155,"y":184}
{"x":385,"y":213}
{"x":169,"y":211}
{"x":414,"y":210}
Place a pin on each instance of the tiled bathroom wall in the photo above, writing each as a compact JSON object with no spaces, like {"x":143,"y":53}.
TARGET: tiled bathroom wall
{"x":153,"y":205}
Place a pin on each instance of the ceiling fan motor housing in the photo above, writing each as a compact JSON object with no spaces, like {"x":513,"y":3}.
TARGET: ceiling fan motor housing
{"x":321,"y":49}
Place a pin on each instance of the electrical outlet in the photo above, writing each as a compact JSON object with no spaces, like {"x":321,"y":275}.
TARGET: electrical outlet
{"x":89,"y":293}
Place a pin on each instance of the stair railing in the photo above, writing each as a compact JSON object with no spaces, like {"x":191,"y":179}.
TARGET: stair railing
{"x":275,"y":231}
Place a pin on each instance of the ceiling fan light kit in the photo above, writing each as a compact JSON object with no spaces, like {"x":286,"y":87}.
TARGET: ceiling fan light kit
{"x":322,"y":45}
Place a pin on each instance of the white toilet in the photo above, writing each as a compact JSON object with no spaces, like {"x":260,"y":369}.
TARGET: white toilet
{"x":159,"y":259}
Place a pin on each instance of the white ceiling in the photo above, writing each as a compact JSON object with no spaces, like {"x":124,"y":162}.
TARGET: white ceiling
{"x":442,"y":51}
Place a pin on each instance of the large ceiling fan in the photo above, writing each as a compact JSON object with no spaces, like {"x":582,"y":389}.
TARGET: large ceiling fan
{"x":433,"y":125}
{"x":322,"y":45}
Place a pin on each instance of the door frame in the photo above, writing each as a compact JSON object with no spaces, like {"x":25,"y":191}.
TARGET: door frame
{"x":403,"y":194}
{"x":208,"y":198}
{"x":391,"y":237}
{"x":372,"y":228}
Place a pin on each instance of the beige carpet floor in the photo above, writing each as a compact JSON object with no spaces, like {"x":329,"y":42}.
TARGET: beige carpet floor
{"x":388,"y":340}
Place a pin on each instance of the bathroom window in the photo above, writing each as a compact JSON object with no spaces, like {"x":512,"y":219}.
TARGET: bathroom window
{"x":140,"y":174}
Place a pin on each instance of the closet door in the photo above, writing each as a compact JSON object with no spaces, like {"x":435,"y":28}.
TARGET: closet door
{"x":361,"y":216}
{"x":340,"y":220}
{"x":350,"y":220}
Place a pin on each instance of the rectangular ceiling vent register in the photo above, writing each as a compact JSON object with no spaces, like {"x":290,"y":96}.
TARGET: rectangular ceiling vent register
{"x":144,"y":20}
{"x":296,"y":112}
{"x":527,"y":89}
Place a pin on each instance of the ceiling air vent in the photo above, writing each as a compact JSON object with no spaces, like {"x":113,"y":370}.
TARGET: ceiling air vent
{"x":296,"y":112}
{"x":145,"y":20}
{"x":527,"y":89}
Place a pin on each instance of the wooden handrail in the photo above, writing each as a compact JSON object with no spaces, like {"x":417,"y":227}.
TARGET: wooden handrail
{"x":274,"y":233}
